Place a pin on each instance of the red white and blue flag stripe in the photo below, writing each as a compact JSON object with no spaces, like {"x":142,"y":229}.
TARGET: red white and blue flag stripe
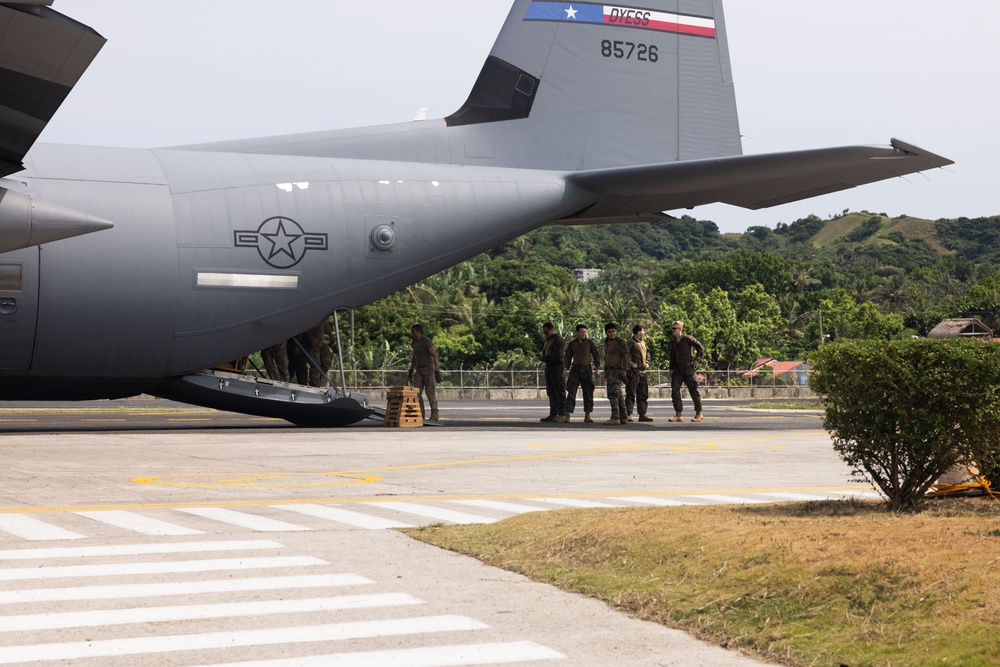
{"x":618,"y":15}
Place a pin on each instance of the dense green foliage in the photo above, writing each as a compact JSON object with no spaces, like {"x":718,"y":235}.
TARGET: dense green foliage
{"x":767,"y":292}
{"x":902,"y":413}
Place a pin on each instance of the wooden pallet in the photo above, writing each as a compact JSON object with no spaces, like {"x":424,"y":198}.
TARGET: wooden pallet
{"x":403,"y":408}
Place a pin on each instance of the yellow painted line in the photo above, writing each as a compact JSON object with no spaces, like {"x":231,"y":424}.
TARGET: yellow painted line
{"x":367,"y":476}
{"x":654,"y":493}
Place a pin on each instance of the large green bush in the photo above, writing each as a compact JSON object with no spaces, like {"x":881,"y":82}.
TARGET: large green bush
{"x":903,"y":412}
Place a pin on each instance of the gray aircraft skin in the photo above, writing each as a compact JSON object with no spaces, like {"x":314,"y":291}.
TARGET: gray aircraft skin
{"x":127,"y":271}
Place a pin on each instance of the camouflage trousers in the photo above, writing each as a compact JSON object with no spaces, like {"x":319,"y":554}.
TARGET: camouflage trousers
{"x":276,"y":362}
{"x":423,"y":379}
{"x":580,"y":376}
{"x":555,"y":387}
{"x":686,"y":375}
{"x":637,"y":393}
{"x":616,"y":393}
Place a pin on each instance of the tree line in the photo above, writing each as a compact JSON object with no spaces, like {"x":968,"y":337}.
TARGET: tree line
{"x":765,"y":292}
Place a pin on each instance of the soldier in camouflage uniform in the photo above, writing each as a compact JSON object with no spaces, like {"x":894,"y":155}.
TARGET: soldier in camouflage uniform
{"x":685,"y":354}
{"x":582,"y":361}
{"x":637,"y":392}
{"x":617,"y":362}
{"x":276,"y":362}
{"x":425,"y":369}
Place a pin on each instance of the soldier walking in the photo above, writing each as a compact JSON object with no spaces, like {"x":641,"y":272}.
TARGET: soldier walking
{"x":555,"y":385}
{"x":685,"y":354}
{"x":617,"y":362}
{"x":637,"y":391}
{"x":582,"y":361}
{"x":425,"y":367}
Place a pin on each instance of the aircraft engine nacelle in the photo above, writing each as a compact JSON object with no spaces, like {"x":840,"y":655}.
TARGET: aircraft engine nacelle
{"x":26,"y":222}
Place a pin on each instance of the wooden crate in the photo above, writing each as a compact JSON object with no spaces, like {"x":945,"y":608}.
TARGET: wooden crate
{"x":403,"y":407}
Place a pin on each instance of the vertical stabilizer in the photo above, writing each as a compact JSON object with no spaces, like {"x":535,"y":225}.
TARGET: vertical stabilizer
{"x":586,"y":86}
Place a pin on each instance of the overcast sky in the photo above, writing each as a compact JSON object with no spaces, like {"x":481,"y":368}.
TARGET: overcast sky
{"x":808,"y":75}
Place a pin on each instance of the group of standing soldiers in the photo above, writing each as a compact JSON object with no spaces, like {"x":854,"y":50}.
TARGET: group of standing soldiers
{"x":569,"y":367}
{"x":303,"y":359}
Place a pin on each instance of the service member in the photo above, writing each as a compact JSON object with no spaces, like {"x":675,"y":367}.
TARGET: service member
{"x":685,"y":354}
{"x":637,"y":391}
{"x":424,"y":369}
{"x":582,"y":361}
{"x":617,"y":363}
{"x":555,"y":385}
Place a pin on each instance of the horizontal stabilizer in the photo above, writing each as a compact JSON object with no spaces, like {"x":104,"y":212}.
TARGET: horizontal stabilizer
{"x":749,"y":181}
{"x":44,"y":55}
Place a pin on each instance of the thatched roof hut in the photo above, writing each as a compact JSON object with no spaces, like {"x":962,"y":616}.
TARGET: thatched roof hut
{"x":965,"y":327}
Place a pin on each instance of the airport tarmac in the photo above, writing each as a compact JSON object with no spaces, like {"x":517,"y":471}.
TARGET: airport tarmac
{"x":244,"y":542}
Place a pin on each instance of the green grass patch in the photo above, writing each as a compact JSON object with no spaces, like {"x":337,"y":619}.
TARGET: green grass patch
{"x":823,"y":583}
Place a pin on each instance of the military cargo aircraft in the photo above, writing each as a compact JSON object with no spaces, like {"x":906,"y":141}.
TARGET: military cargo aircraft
{"x":127,"y":271}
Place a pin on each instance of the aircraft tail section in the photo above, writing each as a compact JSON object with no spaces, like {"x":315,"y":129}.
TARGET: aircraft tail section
{"x":573,"y":86}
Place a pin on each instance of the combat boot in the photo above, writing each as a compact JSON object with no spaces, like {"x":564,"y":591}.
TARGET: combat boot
{"x":566,"y":417}
{"x":629,"y":418}
{"x":698,"y":417}
{"x":676,"y":418}
{"x":625,"y":420}
{"x":561,"y":419}
{"x":645,"y":418}
{"x":612,"y":421}
{"x":586,"y":418}
{"x":435,"y":417}
{"x":548,"y":419}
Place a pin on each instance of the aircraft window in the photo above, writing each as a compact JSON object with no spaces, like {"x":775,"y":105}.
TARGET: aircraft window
{"x":11,"y":277}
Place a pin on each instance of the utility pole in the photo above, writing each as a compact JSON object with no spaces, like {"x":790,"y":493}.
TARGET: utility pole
{"x":819,"y":314}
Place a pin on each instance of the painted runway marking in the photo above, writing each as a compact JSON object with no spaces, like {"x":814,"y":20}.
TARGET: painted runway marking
{"x":138,"y":523}
{"x":215,"y":640}
{"x":107,"y":617}
{"x":795,"y":496}
{"x":134,"y":569}
{"x":123,"y":591}
{"x":136,"y":549}
{"x":575,"y":502}
{"x":436,"y":513}
{"x":348,"y":517}
{"x":29,"y":528}
{"x":649,"y":500}
{"x":719,"y":498}
{"x":512,"y":508}
{"x":243,"y":520}
{"x":437,"y":656}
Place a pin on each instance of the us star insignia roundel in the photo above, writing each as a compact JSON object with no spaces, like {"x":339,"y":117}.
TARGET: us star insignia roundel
{"x":280,"y":241}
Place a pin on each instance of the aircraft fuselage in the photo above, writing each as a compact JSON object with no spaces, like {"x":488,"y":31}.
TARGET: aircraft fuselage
{"x":215,"y":255}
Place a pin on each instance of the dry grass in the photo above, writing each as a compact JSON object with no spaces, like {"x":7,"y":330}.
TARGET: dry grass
{"x":823,"y":583}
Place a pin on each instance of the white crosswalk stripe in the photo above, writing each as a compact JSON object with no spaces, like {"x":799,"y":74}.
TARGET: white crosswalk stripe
{"x":168,"y":567}
{"x":30,"y":528}
{"x":136,"y":549}
{"x":649,"y":500}
{"x":795,"y":496}
{"x":239,"y":638}
{"x":348,"y":517}
{"x":131,"y":591}
{"x":243,"y":519}
{"x":725,"y":499}
{"x":574,"y":502}
{"x":438,"y":513}
{"x":436,"y":656}
{"x":138,"y":523}
{"x":101,"y":618}
{"x":500,"y":506}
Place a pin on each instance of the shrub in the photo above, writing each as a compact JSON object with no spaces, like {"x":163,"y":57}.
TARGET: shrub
{"x":903,"y":412}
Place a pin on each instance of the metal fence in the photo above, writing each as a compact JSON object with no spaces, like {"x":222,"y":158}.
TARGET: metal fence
{"x":500,"y":378}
